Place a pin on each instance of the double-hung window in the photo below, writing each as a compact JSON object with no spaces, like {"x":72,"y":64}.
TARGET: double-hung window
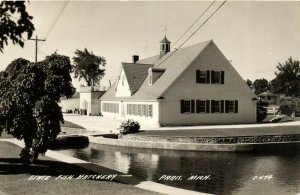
{"x":202,"y":76}
{"x":231,"y":106}
{"x":201,"y":106}
{"x":217,"y":77}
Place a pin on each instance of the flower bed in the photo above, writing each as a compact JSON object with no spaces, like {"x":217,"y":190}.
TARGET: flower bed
{"x":215,"y":140}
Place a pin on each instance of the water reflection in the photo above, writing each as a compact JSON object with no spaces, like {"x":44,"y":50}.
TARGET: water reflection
{"x":230,"y":173}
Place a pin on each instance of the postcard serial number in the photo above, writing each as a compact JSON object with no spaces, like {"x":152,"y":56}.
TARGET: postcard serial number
{"x":262,"y":177}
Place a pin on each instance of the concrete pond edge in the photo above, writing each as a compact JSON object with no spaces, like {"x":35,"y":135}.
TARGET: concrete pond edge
{"x":232,"y":147}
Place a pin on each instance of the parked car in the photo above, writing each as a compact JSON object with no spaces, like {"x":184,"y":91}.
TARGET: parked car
{"x":285,"y":110}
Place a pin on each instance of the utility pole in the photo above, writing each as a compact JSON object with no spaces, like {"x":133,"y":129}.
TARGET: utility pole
{"x":36,"y":45}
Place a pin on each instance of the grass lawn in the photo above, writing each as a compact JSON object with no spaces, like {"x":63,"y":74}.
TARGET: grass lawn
{"x":14,"y":177}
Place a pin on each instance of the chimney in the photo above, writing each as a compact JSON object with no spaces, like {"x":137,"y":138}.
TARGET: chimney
{"x":135,"y":58}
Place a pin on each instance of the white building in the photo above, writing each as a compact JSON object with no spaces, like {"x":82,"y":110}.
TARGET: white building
{"x":194,"y":85}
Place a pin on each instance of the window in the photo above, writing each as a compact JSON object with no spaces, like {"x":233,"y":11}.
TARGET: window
{"x":150,"y":110}
{"x":110,"y":107}
{"x":217,"y":106}
{"x":202,"y":76}
{"x":150,"y":76}
{"x":187,"y":106}
{"x":123,"y":80}
{"x":231,"y":106}
{"x":200,"y":106}
{"x":217,"y":77}
{"x":144,"y":110}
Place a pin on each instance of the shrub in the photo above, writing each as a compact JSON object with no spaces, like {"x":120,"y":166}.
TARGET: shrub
{"x":261,"y":113}
{"x":129,"y":126}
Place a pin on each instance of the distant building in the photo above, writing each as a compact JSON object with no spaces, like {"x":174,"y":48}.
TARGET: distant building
{"x":70,"y":104}
{"x":194,"y":85}
{"x":89,"y":100}
{"x":269,"y":97}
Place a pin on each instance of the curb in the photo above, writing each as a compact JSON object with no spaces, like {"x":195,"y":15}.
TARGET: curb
{"x":239,"y":147}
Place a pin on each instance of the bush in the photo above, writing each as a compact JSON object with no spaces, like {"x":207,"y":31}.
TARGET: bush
{"x":261,"y":113}
{"x":129,"y":126}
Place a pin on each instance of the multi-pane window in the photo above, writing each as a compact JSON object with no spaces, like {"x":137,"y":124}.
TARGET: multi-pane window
{"x":187,"y":106}
{"x":110,"y":107}
{"x":140,"y":110}
{"x":216,"y":106}
{"x":202,"y":76}
{"x":230,"y":106}
{"x":209,"y":106}
{"x":216,"y":77}
{"x":210,"y":76}
{"x":202,"y":106}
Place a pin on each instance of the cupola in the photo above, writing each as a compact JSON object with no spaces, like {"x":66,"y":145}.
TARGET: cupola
{"x":164,"y":46}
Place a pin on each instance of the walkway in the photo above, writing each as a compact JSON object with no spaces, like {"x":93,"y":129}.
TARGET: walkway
{"x":108,"y":125}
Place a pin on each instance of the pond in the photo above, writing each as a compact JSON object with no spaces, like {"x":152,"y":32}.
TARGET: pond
{"x":226,"y":172}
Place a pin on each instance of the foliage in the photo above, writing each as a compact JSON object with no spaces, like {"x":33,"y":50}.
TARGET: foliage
{"x":287,"y":79}
{"x":29,"y":96}
{"x":14,"y":22}
{"x":275,"y":87}
{"x":261,"y":113}
{"x":260,"y":85}
{"x":249,"y":83}
{"x":262,"y":103}
{"x":129,"y":126}
{"x":88,"y":66}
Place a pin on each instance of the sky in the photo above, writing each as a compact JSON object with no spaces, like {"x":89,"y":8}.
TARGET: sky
{"x":254,"y":36}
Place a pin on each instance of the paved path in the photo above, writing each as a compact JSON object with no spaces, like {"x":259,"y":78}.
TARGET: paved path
{"x":108,"y":125}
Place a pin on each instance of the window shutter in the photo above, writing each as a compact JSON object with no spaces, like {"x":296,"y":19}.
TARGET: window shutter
{"x":207,"y":76}
{"x":226,"y":106}
{"x":222,"y":106}
{"x":192,"y":106}
{"x":222,"y":77}
{"x":197,"y":106}
{"x":207,"y":106}
{"x":236,"y":106}
{"x":182,"y":106}
{"x":212,"y":106}
{"x":212,"y":76}
{"x":197,"y":76}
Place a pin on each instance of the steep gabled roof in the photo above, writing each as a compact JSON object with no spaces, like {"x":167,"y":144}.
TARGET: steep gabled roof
{"x":135,"y":74}
{"x":174,"y":63}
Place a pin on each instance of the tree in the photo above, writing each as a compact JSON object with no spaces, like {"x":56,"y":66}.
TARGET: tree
{"x":287,"y":79}
{"x":88,"y":66}
{"x":14,"y":22}
{"x":260,"y":85}
{"x":29,"y":96}
{"x":276,"y":87}
{"x":249,"y":83}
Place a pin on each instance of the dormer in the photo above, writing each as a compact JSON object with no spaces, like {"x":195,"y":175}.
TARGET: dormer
{"x":164,"y":46}
{"x":154,"y":74}
{"x":131,"y":77}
